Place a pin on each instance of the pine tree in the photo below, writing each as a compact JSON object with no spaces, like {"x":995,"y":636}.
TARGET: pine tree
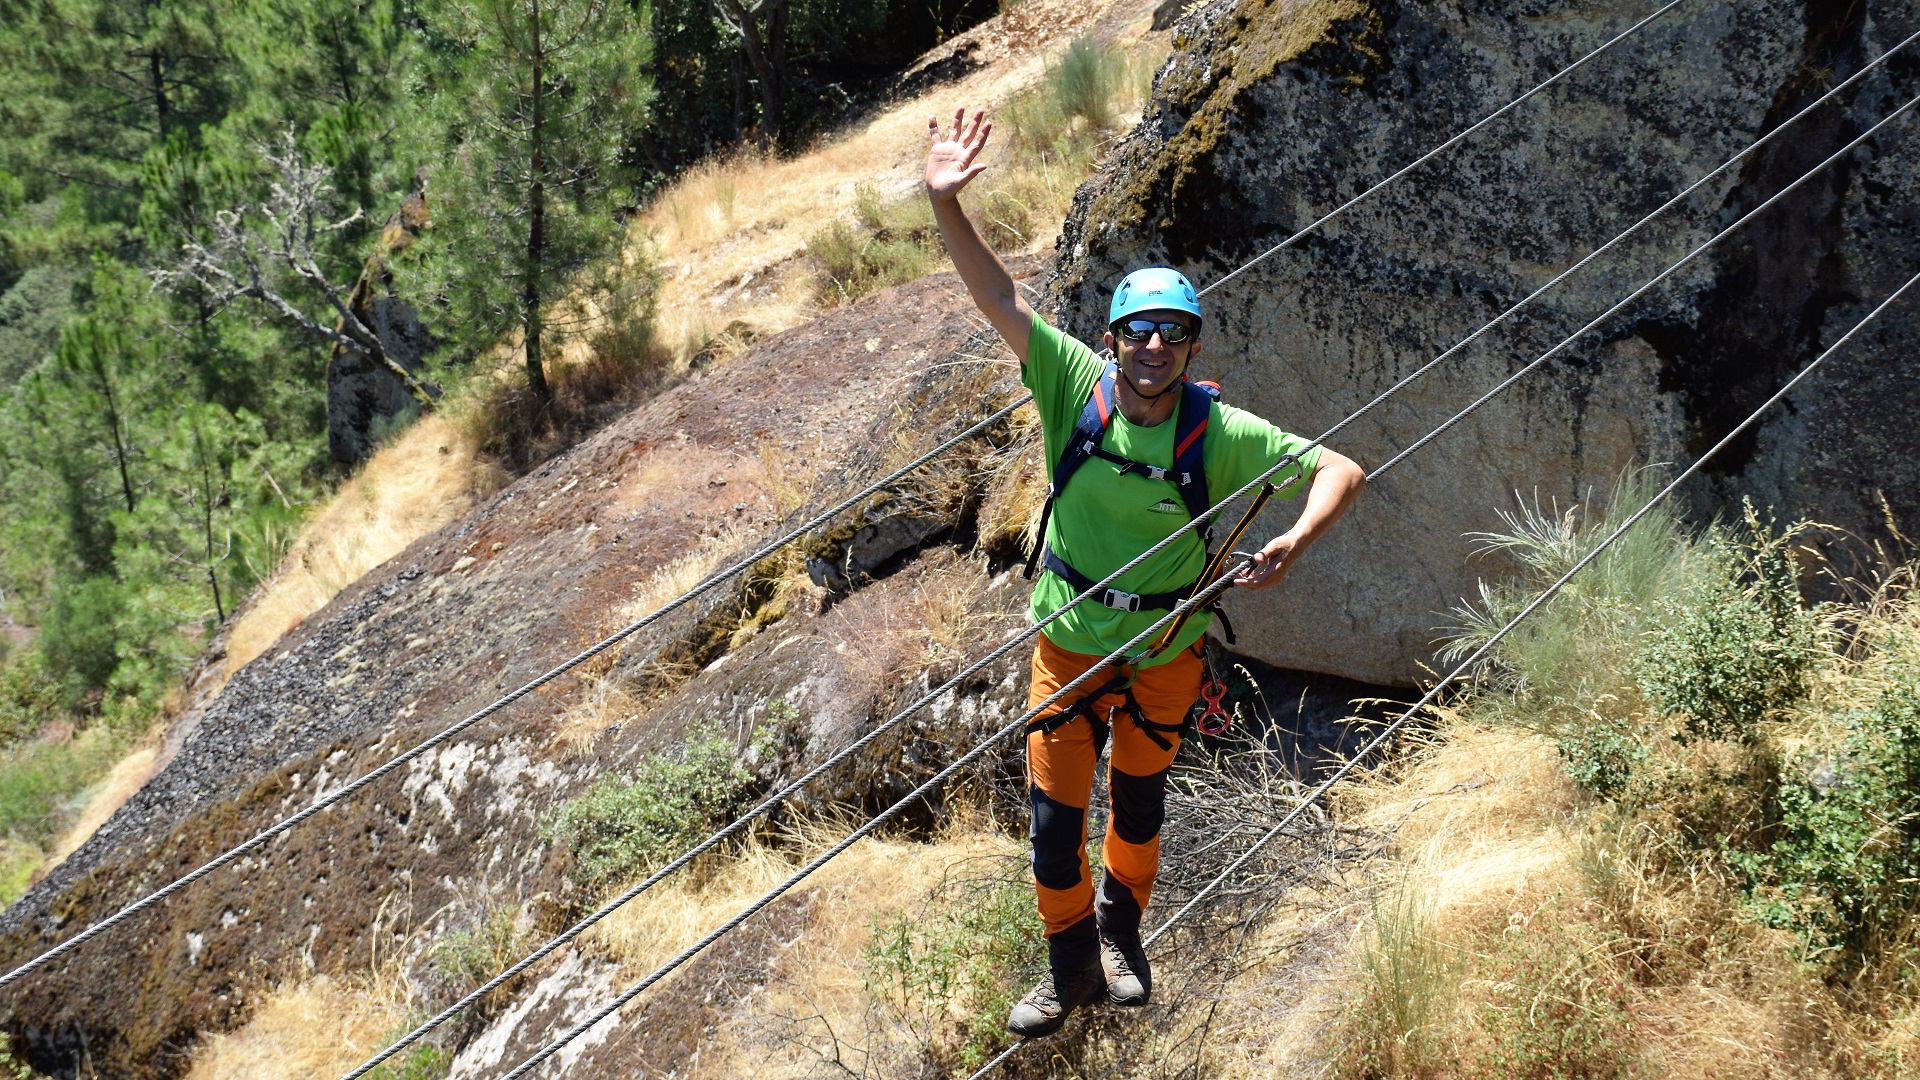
{"x":537,"y":108}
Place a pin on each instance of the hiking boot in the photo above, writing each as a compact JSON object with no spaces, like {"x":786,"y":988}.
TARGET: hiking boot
{"x":1124,"y":962}
{"x":1045,"y":1008}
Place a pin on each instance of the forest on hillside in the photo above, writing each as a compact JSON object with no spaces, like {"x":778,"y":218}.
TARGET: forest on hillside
{"x":189,"y":190}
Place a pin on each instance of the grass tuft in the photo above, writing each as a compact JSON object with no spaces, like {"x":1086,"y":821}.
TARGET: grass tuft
{"x":950,"y":972}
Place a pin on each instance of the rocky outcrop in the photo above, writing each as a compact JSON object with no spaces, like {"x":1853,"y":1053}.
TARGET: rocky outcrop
{"x":366,"y":398}
{"x":1272,"y":112}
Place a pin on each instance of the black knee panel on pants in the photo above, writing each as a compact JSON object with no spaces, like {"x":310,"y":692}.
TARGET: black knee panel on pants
{"x":1118,"y":911}
{"x":1139,"y":805}
{"x":1055,"y":833}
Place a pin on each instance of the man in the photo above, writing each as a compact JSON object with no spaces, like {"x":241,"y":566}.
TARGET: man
{"x":1120,"y":503}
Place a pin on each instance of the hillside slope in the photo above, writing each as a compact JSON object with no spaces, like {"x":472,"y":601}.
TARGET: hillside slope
{"x":464,"y":614}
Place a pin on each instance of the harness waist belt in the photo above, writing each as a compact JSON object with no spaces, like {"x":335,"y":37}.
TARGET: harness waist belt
{"x":1114,"y":598}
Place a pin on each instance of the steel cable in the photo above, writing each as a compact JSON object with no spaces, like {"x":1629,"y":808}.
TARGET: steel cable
{"x":1632,"y":229}
{"x":1216,"y":589}
{"x":1486,"y":647}
{"x":324,"y":802}
{"x":1218,"y":586}
{"x":1198,"y":600}
{"x":718,"y":578}
{"x":1449,"y":144}
{"x":773,"y":801}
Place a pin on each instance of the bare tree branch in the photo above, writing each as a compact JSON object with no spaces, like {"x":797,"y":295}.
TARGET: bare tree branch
{"x":283,"y":231}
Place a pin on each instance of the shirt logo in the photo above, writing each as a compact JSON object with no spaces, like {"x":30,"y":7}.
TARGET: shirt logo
{"x":1165,"y":506}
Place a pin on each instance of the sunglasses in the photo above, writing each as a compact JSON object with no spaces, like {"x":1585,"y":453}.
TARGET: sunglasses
{"x":1172,"y":333}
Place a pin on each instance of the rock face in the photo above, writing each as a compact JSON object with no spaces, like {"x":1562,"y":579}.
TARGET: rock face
{"x":1272,"y":112}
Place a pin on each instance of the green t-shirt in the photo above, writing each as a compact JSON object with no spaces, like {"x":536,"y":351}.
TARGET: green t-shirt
{"x":1104,"y":519}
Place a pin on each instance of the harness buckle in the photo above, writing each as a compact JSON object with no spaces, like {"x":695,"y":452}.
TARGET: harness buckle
{"x":1156,"y":472}
{"x":1122,"y":601}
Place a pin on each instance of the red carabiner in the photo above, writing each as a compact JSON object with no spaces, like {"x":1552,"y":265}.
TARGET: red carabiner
{"x":1213,"y":720}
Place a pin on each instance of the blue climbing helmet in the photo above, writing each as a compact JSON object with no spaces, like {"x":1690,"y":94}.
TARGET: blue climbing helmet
{"x":1156,"y":288}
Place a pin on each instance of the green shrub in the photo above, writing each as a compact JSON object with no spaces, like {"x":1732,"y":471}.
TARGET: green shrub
{"x":890,"y":241}
{"x":952,"y":972}
{"x":466,"y":958}
{"x":12,"y":1068}
{"x":29,"y":695}
{"x":625,"y":827}
{"x":1738,"y":650}
{"x":1844,"y":860}
{"x":1602,"y":757}
{"x":1564,"y":668}
{"x":1078,"y":99}
{"x":1086,"y":80}
{"x":419,"y":1062}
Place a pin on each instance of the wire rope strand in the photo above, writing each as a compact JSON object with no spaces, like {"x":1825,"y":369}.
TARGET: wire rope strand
{"x":1198,"y":600}
{"x":326,"y":801}
{"x":780,"y":796}
{"x":1643,"y":289}
{"x":1445,"y":425}
{"x":1443,"y":147}
{"x":772,"y":801}
{"x":1486,"y":647}
{"x":712,"y":581}
{"x":1480,"y":654}
{"x":347,"y":791}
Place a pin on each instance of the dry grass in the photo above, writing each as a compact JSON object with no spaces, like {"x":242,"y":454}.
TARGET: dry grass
{"x":730,"y":235}
{"x":814,"y":1009}
{"x":318,"y":1027}
{"x":1009,"y":522}
{"x":1507,"y":887}
{"x":415,"y":484}
{"x":1473,"y":816}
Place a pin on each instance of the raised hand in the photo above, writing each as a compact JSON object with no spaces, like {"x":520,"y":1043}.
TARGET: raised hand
{"x":950,"y":161}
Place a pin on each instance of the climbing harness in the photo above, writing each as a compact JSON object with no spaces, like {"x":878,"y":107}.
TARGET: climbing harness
{"x":1122,"y":681}
{"x":1187,"y":473}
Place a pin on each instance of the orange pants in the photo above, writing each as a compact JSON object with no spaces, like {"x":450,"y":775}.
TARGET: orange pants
{"x":1060,"y":766}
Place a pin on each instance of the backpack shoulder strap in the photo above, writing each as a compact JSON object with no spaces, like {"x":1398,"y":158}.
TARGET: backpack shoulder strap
{"x":1087,"y":433}
{"x":1189,"y":442}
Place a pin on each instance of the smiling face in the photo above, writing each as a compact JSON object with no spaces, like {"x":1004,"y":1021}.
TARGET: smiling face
{"x":1152,"y":367}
